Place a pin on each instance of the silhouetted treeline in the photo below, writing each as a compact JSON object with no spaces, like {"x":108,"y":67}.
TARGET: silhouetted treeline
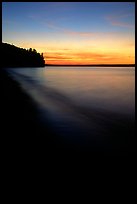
{"x":13,"y":56}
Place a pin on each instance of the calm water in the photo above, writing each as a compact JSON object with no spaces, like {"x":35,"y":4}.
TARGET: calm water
{"x":82,"y":102}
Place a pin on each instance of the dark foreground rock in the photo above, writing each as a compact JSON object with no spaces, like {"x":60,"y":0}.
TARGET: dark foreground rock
{"x":21,"y":129}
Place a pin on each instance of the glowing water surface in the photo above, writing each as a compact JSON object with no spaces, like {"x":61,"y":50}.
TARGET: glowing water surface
{"x":86,"y":101}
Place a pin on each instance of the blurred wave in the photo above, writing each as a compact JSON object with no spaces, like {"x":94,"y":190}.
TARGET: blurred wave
{"x":74,"y":122}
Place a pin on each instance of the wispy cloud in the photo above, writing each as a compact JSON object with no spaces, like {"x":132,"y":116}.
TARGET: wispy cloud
{"x":87,"y":56}
{"x":120,"y":20}
{"x":76,"y":33}
{"x":79,"y":56}
{"x":55,"y":27}
{"x":122,"y":24}
{"x":68,"y":31}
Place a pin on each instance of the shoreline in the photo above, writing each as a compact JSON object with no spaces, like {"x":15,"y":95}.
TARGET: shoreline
{"x":20,"y":118}
{"x":92,"y":65}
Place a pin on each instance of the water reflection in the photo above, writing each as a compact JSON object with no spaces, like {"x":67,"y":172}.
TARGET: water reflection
{"x":111,"y":89}
{"x":89,"y":108}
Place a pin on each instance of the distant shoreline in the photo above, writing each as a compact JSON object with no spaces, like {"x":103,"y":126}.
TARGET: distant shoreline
{"x":95,"y":65}
{"x":78,"y":65}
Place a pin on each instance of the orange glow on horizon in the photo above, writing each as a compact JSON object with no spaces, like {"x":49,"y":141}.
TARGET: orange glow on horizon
{"x":87,"y":58}
{"x":105,"y":50}
{"x":108,"y":49}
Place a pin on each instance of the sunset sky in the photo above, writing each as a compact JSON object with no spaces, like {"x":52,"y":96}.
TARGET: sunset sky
{"x":73,"y":32}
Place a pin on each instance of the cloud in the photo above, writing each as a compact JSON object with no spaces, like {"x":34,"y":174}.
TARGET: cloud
{"x":84,"y":34}
{"x":54,"y":26}
{"x":120,"y":20}
{"x":121,"y":15}
{"x":121,"y":24}
{"x":69,"y":32}
{"x":115,"y":20}
{"x":86,"y":57}
{"x":79,"y":56}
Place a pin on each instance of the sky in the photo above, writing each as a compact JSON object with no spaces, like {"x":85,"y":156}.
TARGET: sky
{"x":73,"y":32}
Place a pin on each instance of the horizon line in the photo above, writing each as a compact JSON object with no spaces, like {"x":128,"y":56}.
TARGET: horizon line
{"x":89,"y":64}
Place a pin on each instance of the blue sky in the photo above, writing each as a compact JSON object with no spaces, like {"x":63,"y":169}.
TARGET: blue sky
{"x":52,"y":27}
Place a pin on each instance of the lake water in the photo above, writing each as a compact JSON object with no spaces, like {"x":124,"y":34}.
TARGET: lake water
{"x":85,"y":105}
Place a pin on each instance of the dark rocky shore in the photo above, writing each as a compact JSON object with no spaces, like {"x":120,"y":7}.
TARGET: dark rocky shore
{"x":22,"y":131}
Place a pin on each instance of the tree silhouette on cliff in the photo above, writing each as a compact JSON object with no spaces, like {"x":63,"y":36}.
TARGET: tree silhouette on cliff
{"x":13,"y":56}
